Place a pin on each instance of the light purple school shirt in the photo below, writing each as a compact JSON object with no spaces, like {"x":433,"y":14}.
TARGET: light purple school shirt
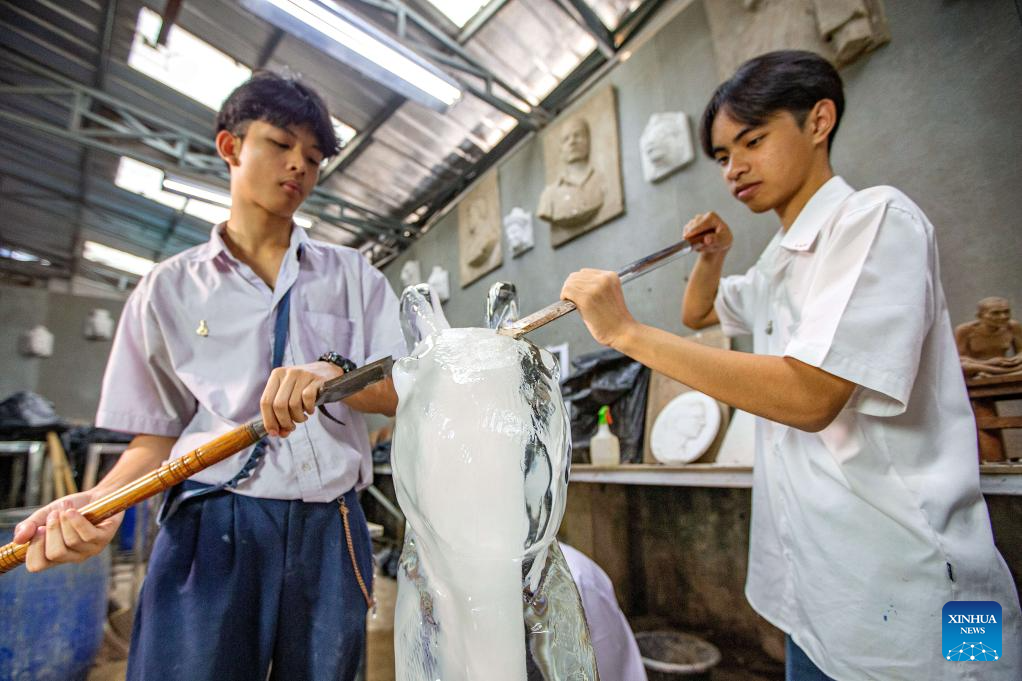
{"x":166,"y":378}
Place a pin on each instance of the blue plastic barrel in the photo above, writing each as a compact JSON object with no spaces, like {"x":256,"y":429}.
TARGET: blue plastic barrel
{"x":52,"y":621}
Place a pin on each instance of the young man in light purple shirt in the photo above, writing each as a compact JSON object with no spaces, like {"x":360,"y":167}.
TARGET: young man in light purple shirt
{"x":263,"y":562}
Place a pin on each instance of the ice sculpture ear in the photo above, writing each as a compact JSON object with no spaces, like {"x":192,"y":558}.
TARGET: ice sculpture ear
{"x":421,"y":314}
{"x":501,"y":305}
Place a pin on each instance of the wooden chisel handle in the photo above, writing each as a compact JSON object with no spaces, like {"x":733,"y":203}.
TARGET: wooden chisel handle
{"x":163,"y":478}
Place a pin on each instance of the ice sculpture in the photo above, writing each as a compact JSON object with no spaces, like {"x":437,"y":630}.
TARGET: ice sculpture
{"x":480,"y":456}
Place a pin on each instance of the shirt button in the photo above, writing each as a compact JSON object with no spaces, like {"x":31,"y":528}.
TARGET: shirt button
{"x":306,"y":467}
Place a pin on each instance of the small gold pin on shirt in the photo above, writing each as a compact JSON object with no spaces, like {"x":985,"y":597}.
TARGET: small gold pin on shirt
{"x":203,"y":330}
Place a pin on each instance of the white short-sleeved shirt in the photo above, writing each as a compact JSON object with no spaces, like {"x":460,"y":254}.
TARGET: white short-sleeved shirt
{"x":617,"y":653}
{"x":863,"y":531}
{"x":165,"y":378}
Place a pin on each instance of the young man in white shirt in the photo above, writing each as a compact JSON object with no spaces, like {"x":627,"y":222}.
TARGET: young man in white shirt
{"x":263,"y":566}
{"x":867,"y":514}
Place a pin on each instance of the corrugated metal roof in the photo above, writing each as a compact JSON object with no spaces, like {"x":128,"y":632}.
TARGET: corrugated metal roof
{"x":405,"y":156}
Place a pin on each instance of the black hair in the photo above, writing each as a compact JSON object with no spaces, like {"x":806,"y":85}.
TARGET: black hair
{"x":786,"y":80}
{"x":279,"y":101}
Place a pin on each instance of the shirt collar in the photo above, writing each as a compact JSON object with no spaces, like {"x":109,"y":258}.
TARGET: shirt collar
{"x":215,"y":246}
{"x":803,"y":232}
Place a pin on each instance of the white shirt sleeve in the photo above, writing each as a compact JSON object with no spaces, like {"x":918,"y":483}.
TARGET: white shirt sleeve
{"x":869,"y":306}
{"x":141,"y":393}
{"x":617,"y":653}
{"x":382,"y":317}
{"x":735,"y":303}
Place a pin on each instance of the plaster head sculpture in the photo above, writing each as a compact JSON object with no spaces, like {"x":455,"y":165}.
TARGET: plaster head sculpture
{"x":685,"y":428}
{"x":37,"y":342}
{"x":991,"y":345}
{"x":666,"y":145}
{"x":411,"y":273}
{"x":99,"y":325}
{"x":440,"y":281}
{"x":518,"y":228}
{"x":480,"y":456}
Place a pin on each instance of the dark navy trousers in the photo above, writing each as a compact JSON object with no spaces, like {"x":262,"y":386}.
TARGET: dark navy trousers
{"x":238,"y":586}
{"x":798,"y":666}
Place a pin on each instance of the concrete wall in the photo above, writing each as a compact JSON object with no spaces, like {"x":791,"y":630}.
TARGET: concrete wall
{"x":71,"y":378}
{"x":20,"y":310}
{"x":935,"y":113}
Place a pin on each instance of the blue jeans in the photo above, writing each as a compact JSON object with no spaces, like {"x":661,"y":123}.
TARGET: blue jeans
{"x":798,"y":666}
{"x":237,"y":584}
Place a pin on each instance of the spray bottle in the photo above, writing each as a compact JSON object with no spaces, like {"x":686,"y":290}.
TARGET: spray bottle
{"x":604,"y":449}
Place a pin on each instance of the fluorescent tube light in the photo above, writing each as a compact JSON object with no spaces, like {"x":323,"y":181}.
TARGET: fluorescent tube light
{"x":350,"y":39}
{"x":119,"y":260}
{"x":209,"y":204}
{"x":196,"y":191}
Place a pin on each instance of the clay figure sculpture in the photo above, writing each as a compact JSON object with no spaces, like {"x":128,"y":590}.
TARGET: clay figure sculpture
{"x":480,"y":456}
{"x":991,"y":345}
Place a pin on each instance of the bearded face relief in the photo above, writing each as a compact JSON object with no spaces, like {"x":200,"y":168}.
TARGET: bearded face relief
{"x":480,"y":456}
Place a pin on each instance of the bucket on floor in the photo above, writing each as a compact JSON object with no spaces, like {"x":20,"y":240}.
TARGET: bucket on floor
{"x":676,"y":656}
{"x":53,"y":620}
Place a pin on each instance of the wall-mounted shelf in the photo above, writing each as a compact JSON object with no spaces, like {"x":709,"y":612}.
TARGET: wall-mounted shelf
{"x":994,"y":478}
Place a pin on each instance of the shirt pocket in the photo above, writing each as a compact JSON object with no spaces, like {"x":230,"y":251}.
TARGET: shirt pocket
{"x":334,"y":333}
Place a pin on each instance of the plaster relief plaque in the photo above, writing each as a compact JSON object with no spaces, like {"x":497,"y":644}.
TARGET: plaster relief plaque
{"x":583,"y":170}
{"x":479,"y":230}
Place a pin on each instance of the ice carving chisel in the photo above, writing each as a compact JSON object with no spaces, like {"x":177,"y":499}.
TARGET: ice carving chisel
{"x":627,"y":273}
{"x":171,"y":473}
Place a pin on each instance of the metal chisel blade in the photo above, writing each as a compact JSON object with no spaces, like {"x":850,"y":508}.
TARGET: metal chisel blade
{"x":350,"y":383}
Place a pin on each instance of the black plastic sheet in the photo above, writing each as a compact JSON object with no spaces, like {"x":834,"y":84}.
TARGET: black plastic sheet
{"x":27,"y":415}
{"x":607,"y":377}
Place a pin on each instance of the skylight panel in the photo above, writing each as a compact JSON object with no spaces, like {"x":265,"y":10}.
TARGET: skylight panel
{"x":459,"y":11}
{"x":345,"y":133}
{"x":187,"y":64}
{"x":209,"y":212}
{"x":117,"y":259}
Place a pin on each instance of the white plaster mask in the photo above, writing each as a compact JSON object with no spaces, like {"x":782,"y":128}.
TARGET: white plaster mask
{"x":665,"y":145}
{"x":480,"y":455}
{"x":440,"y":281}
{"x":518,"y":228}
{"x":99,"y":325}
{"x":411,"y":273}
{"x":37,"y":342}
